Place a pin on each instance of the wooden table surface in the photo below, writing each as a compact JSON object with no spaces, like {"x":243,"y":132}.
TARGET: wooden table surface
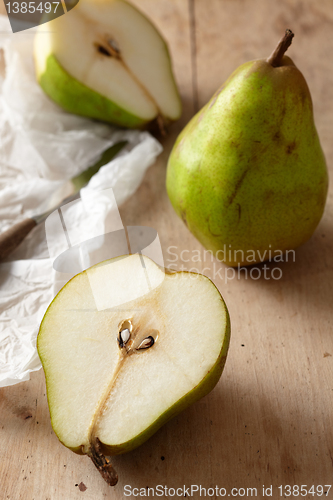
{"x":269,"y":421}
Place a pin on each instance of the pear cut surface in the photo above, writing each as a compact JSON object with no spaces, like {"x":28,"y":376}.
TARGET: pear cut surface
{"x":100,"y":389}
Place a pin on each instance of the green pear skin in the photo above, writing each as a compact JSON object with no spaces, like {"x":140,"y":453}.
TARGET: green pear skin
{"x":247,"y":174}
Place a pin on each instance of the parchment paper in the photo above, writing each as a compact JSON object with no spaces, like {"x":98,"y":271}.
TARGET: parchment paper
{"x":40,"y":147}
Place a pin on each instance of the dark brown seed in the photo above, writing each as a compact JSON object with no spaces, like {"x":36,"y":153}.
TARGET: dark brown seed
{"x":146,"y":343}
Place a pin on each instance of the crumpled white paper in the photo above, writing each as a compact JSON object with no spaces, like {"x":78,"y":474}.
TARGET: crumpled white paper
{"x":41,"y":147}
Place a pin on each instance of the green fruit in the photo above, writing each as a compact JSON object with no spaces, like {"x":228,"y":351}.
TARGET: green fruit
{"x":247,"y":174}
{"x":125,"y":347}
{"x":105,"y":60}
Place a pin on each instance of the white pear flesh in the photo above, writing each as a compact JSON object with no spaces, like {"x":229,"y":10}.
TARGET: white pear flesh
{"x":120,"y":395}
{"x":140,"y":81}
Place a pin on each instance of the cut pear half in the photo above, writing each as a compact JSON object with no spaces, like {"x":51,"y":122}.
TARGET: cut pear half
{"x":105,"y":60}
{"x":117,"y":373}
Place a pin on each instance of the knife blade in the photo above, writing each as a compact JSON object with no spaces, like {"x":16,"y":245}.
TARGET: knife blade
{"x":10,"y":239}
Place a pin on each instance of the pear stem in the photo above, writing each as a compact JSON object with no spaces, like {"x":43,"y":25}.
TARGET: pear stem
{"x":103,"y":464}
{"x":275,"y":59}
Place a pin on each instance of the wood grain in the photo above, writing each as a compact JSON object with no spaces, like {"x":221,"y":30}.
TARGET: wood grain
{"x":269,"y":421}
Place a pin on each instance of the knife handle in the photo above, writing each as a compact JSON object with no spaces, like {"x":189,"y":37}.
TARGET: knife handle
{"x":11,"y":238}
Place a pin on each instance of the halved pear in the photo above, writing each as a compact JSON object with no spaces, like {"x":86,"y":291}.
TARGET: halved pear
{"x":125,"y":346}
{"x":104,"y":59}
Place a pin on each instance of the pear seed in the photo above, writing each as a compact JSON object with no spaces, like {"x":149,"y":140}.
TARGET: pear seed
{"x":124,"y":336}
{"x":115,"y":50}
{"x":103,"y":50}
{"x":148,"y":342}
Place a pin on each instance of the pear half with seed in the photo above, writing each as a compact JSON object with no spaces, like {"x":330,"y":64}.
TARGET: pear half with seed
{"x":125,"y":346}
{"x":104,"y":59}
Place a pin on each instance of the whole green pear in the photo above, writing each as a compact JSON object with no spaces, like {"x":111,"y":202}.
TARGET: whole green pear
{"x":247,"y":174}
